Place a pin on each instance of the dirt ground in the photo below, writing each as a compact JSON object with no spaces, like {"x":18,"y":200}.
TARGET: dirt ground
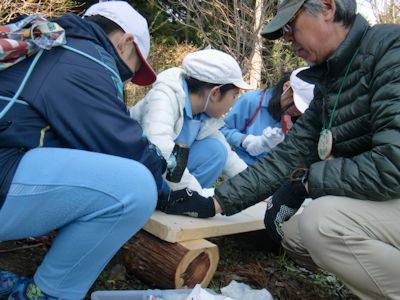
{"x":243,"y":258}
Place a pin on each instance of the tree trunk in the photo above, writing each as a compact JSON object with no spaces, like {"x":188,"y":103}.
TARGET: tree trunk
{"x":171,"y":265}
{"x":256,"y":60}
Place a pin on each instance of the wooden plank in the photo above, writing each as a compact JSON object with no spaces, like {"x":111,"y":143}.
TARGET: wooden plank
{"x":173,"y":228}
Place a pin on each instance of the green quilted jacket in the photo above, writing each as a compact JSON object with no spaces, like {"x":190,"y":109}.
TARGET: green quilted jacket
{"x":365,"y":128}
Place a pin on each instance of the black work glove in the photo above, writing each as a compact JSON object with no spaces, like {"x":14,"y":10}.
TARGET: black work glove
{"x":284,"y":204}
{"x":187,"y":202}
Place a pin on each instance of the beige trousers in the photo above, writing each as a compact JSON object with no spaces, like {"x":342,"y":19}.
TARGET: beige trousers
{"x":357,"y":240}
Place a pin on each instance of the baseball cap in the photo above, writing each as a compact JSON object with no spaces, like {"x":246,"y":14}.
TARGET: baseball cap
{"x":214,"y":66}
{"x":303,"y":92}
{"x":286,"y":10}
{"x":124,"y":15}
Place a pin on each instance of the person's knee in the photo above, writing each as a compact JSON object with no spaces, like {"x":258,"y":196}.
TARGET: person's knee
{"x":127,"y":186}
{"x":318,"y":225}
{"x":127,"y":181}
{"x":140,"y":189}
{"x":315,"y":219}
{"x":209,"y":152}
{"x":291,"y":238}
{"x":217,"y":150}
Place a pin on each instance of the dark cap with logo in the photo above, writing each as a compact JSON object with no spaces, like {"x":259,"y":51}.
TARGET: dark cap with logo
{"x":286,"y":10}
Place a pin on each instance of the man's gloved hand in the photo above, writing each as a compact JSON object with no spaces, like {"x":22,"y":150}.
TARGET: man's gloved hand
{"x":284,"y":204}
{"x":187,"y":202}
{"x":254,"y":144}
{"x":272,"y":137}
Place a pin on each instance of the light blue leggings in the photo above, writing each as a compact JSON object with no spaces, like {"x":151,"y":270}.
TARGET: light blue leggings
{"x":207,"y":159}
{"x":95,"y":201}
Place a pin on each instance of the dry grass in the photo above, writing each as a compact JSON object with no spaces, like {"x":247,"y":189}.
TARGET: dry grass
{"x":11,"y":9}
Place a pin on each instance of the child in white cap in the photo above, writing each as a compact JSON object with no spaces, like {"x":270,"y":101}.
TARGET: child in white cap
{"x":186,"y":105}
{"x":259,"y":119}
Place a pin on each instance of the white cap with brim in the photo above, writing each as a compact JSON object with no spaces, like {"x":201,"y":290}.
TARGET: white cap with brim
{"x":124,"y":15}
{"x":286,"y":10}
{"x":303,"y":92}
{"x":214,"y":66}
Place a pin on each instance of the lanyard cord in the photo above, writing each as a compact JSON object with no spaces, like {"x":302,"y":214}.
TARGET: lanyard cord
{"x":15,"y":99}
{"x":339,"y":93}
{"x":251,"y":120}
{"x":93,"y":59}
{"x":22,"y":85}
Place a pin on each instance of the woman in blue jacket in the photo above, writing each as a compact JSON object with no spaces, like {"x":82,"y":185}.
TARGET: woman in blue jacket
{"x":259,"y":119}
{"x":71,"y":158}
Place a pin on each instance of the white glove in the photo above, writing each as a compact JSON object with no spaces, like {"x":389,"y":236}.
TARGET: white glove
{"x":254,"y":144}
{"x":272,"y":137}
{"x":207,"y":192}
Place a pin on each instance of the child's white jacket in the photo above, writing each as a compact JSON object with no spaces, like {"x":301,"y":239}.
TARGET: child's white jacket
{"x":161,"y":115}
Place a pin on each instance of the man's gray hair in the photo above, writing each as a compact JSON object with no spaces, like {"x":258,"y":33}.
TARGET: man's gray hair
{"x":345,"y":10}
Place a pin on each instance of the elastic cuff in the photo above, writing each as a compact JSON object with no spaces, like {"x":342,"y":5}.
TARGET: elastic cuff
{"x":300,"y":189}
{"x":215,"y":197}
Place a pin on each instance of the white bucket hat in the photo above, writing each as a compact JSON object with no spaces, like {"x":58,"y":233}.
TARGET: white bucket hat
{"x":303,"y":92}
{"x":214,"y":66}
{"x":123,"y":14}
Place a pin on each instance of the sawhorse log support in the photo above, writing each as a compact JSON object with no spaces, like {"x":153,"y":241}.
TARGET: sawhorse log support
{"x":172,"y":252}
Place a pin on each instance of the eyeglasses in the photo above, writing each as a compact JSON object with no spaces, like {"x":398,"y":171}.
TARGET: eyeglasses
{"x":288,"y":28}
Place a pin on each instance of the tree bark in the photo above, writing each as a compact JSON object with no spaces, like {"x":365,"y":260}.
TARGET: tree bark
{"x":256,"y":60}
{"x":171,"y":265}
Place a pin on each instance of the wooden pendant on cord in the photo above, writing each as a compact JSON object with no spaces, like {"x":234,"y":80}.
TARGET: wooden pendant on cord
{"x":325,"y":143}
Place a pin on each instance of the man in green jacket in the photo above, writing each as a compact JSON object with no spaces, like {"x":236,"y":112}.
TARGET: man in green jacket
{"x":344,"y":152}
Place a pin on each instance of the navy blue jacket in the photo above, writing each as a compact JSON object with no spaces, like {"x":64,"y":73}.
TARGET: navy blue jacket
{"x":74,"y":103}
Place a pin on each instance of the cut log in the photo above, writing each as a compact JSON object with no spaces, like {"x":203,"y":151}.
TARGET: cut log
{"x":171,"y":265}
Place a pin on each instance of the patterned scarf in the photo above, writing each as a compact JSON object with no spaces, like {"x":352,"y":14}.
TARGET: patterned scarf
{"x":24,"y":38}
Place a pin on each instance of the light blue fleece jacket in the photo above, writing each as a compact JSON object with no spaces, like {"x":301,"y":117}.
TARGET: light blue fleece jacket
{"x":240,"y":114}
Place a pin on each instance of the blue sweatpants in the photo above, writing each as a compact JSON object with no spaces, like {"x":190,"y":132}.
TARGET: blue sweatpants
{"x":96,"y":202}
{"x":206,"y":161}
